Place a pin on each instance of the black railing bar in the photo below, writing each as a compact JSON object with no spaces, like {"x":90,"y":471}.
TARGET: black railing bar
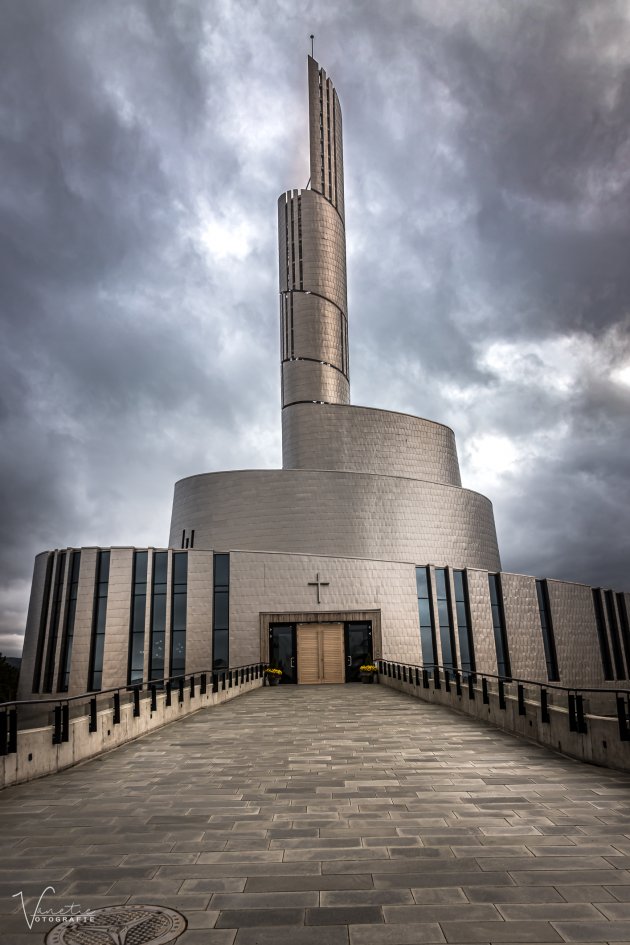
{"x":505,"y":679}
{"x":128,"y":687}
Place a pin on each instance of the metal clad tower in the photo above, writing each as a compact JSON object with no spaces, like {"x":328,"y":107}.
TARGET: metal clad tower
{"x":312,"y":248}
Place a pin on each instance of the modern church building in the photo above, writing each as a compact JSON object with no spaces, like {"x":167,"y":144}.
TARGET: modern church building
{"x":364,"y":545}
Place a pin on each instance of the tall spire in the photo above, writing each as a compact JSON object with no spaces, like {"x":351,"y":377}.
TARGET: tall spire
{"x":312,"y":251}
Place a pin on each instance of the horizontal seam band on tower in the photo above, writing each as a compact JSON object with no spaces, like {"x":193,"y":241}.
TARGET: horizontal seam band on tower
{"x":317,"y":295}
{"x":316,"y":361}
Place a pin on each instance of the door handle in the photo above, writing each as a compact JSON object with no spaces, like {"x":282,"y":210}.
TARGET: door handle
{"x":293,"y":662}
{"x":349,"y":661}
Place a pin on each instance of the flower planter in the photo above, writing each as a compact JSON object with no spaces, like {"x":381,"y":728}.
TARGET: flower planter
{"x":367,"y":677}
{"x":273,"y":680}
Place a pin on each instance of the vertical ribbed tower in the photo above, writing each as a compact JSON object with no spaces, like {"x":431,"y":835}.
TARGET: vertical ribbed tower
{"x":312,"y":247}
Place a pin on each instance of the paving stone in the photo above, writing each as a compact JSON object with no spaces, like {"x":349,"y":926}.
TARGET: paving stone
{"x":594,"y":931}
{"x":500,"y":932}
{"x":395,"y":934}
{"x":344,"y":915}
{"x":240,"y":918}
{"x":279,"y":935}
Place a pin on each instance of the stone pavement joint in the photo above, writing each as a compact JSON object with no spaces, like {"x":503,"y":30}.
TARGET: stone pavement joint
{"x":330,"y":815}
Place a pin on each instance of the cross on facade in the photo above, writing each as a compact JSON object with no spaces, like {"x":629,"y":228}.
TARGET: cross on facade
{"x":318,"y":584}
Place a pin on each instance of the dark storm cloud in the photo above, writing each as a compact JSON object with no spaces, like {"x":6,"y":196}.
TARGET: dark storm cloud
{"x":143,"y":146}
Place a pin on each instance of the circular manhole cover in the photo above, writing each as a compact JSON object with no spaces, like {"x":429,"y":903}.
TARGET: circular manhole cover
{"x":121,"y":925}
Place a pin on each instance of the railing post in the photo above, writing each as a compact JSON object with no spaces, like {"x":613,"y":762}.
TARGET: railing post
{"x":93,"y":718}
{"x":447,"y":680}
{"x":582,"y":727}
{"x":4,"y":731}
{"x":471,"y":688}
{"x":458,"y":683}
{"x":425,"y":678}
{"x":56,"y":737}
{"x":436,"y":677}
{"x":224,"y":681}
{"x":404,"y":674}
{"x":136,"y":702}
{"x":502,"y":695}
{"x":544,"y":706}
{"x":192,"y":687}
{"x":180,"y":684}
{"x":417,"y":682}
{"x":153,"y":698}
{"x":485,"y":695}
{"x":203,"y":684}
{"x":520,"y":693}
{"x":572,"y":715}
{"x":13,"y":731}
{"x":169,"y":694}
{"x":116,"y":718}
{"x":215,"y":682}
{"x":65,"y":722}
{"x":622,"y":718}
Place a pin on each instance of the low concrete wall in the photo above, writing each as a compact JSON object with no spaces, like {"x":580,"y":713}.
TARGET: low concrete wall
{"x":36,"y":756}
{"x":600,"y":745}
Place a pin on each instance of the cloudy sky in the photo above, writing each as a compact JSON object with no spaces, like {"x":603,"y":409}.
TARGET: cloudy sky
{"x":144,"y":144}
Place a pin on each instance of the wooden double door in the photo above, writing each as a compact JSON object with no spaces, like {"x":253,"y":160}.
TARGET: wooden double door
{"x":320,"y":653}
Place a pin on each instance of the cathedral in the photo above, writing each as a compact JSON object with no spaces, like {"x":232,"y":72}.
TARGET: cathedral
{"x":364,"y":546}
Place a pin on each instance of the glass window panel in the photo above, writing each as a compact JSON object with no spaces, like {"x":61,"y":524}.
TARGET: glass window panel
{"x":424,"y":612}
{"x":139,"y":612}
{"x":179,"y":612}
{"x":180,"y":568}
{"x":159,"y":613}
{"x":462,"y":617}
{"x":221,"y":610}
{"x":140,"y":566}
{"x":426,"y":643}
{"x":221,"y":570}
{"x":220,"y":654}
{"x":103,"y":568}
{"x":160,"y":566}
{"x":178,"y":660}
{"x":440,"y":583}
{"x":421,"y":582}
{"x":458,"y":581}
{"x":443,"y":613}
{"x":101,"y":615}
{"x":137,"y":653}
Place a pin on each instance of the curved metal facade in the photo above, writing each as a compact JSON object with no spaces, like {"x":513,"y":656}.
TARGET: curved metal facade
{"x":338,"y":514}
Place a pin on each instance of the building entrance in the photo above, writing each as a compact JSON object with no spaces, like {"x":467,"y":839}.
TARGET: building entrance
{"x":310,"y":653}
{"x":320,"y":653}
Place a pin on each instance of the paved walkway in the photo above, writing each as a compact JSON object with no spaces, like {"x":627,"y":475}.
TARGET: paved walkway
{"x":328,"y":816}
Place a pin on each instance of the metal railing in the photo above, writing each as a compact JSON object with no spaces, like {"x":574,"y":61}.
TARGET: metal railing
{"x":57,"y":712}
{"x":579,"y":704}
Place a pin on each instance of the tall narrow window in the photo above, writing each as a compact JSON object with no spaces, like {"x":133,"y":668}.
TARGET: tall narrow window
{"x":425,"y":616}
{"x":620,"y":669}
{"x":602,"y":636}
{"x":178,"y":614}
{"x":445,"y":619}
{"x":68,"y":633}
{"x":54,"y":622}
{"x":95,"y":681}
{"x":464,"y":623}
{"x":158,"y":615}
{"x":498,"y":625}
{"x":625,"y":628}
{"x":546,"y":626}
{"x":221,"y":613}
{"x":135,"y":672}
{"x":43,"y":619}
